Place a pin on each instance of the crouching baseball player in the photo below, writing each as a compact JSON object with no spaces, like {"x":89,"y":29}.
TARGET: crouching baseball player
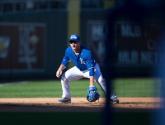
{"x":85,"y":67}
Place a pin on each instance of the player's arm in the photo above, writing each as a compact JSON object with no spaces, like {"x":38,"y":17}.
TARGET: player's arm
{"x":60,"y":70}
{"x":63,"y":65}
{"x":90,"y":64}
{"x":91,"y":81}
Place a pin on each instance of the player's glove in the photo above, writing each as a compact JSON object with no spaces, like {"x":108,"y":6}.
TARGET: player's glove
{"x":92,"y":94}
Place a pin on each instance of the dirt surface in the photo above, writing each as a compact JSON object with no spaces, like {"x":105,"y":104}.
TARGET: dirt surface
{"x":77,"y":105}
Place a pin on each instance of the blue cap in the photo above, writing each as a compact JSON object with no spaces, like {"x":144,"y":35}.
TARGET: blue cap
{"x":74,"y":37}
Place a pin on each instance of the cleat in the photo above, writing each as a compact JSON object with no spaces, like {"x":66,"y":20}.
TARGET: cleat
{"x":98,"y":100}
{"x":65,"y":100}
{"x":114,"y":99}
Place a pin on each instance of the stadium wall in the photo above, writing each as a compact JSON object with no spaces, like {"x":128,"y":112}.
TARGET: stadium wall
{"x":47,"y":33}
{"x":39,"y":37}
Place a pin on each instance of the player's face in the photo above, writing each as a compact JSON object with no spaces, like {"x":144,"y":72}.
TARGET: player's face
{"x":75,"y":46}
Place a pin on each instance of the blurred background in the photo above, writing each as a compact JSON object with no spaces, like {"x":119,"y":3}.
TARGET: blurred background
{"x":124,"y":36}
{"x":34,"y":33}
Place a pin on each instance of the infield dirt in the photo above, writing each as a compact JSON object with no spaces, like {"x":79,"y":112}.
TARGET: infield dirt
{"x":77,"y":104}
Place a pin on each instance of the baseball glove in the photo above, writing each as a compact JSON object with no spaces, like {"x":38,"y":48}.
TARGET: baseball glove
{"x":92,"y":94}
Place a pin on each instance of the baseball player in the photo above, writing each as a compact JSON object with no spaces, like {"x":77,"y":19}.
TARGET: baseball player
{"x":85,"y":67}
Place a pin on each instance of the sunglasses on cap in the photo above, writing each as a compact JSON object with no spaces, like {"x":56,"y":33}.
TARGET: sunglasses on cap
{"x":73,"y":41}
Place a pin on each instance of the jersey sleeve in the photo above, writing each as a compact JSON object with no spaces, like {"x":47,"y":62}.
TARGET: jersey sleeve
{"x":90,"y":64}
{"x":65,"y":59}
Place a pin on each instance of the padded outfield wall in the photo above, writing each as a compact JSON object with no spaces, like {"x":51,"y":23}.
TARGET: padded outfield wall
{"x":32,"y":44}
{"x":131,"y":35}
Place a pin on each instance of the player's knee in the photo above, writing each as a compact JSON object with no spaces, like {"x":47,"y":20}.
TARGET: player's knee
{"x":101,"y":80}
{"x":64,"y":79}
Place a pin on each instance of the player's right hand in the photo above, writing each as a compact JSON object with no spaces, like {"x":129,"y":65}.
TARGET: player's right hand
{"x":58,"y":73}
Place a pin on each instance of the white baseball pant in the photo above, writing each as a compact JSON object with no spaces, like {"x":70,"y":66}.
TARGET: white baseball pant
{"x":75,"y":74}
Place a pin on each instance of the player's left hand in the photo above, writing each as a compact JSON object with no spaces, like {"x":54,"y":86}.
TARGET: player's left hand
{"x":92,"y":94}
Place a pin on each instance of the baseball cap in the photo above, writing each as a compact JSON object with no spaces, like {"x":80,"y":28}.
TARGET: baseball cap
{"x":74,"y":38}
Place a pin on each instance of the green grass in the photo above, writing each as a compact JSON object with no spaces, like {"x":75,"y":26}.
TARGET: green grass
{"x":42,"y":89}
{"x":123,"y":88}
{"x":30,"y":89}
{"x":137,"y":87}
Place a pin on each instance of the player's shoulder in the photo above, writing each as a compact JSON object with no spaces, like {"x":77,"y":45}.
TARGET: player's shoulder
{"x":68,"y":49}
{"x":86,"y":50}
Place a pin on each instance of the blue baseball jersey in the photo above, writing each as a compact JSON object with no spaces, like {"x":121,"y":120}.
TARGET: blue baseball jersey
{"x":83,"y":61}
